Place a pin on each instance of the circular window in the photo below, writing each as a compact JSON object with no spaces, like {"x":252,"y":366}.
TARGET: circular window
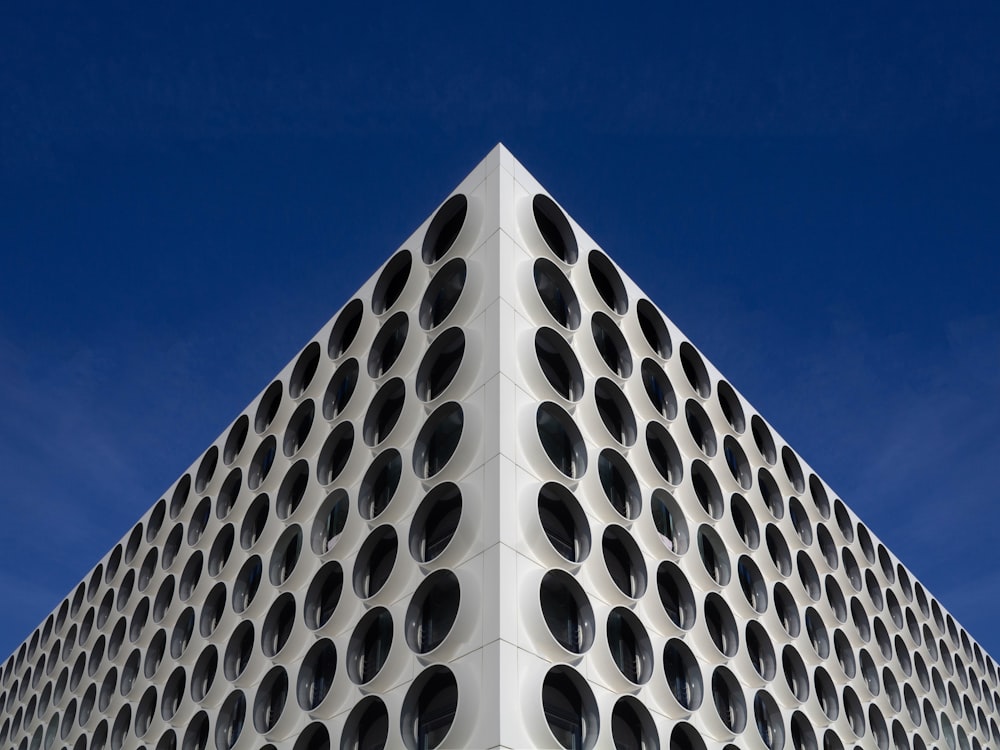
{"x":206,"y":470}
{"x":763,"y":440}
{"x":777,"y":548}
{"x":329,"y":522}
{"x":700,"y":427}
{"x":177,"y":502}
{"x":285,"y":555}
{"x":278,"y":625}
{"x":786,"y":610}
{"x":429,"y":709}
{"x":561,"y":440}
{"x":304,"y":370}
{"x":444,"y":229}
{"x":794,"y":472}
{"x":367,"y":727}
{"x":664,"y":454}
{"x":439,"y":366}
{"x":683,"y":674}
{"x":292,"y":490}
{"x":615,"y":411}
{"x":767,"y":716}
{"x":298,"y":428}
{"x":607,"y":281}
{"x":567,"y":611}
{"x":228,"y":494}
{"x":234,"y":445}
{"x":669,"y":521}
{"x":695,"y":370}
{"x":323,"y":595}
{"x":254,"y":522}
{"x":570,"y":709}
{"x":335,"y":453}
{"x":632,"y":726}
{"x":203,"y":674}
{"x":557,"y":294}
{"x":340,"y":389}
{"x":745,"y":521}
{"x":555,"y":229}
{"x":653,"y":328}
{"x":727,"y":694}
{"x":435,"y":522}
{"x":611,"y":345}
{"x":658,"y":388}
{"x":820,"y":499}
{"x":319,"y":667}
{"x":721,"y":625}
{"x":564,"y":522}
{"x":388,"y":344}
{"x":760,"y":650}
{"x":268,"y":407}
{"x":391,"y":282}
{"x":247,"y":583}
{"x":239,"y":650}
{"x":369,"y":646}
{"x":438,"y":440}
{"x":212,"y":610}
{"x":752,"y":583}
{"x":713,"y":553}
{"x":432,"y":611}
{"x":442,"y":294}
{"x":624,"y":561}
{"x":559,"y":364}
{"x":619,"y":483}
{"x":345,"y":329}
{"x":737,"y":462}
{"x":270,"y":701}
{"x":380,"y":483}
{"x":375,"y":562}
{"x":629,"y":646}
{"x":262,"y":462}
{"x":676,"y":595}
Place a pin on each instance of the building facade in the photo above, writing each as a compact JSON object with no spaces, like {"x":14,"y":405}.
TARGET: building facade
{"x":499,"y":501}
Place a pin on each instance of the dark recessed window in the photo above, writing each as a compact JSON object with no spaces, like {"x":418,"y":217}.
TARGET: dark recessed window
{"x":292,"y":490}
{"x":555,"y":229}
{"x":658,"y":388}
{"x":234,"y":445}
{"x":654,"y":329}
{"x":439,"y":365}
{"x":737,"y":462}
{"x":391,"y":282}
{"x":676,"y":595}
{"x":629,"y":646}
{"x":229,"y":494}
{"x":375,"y":561}
{"x":442,"y":294}
{"x":316,"y":674}
{"x":570,"y":709}
{"x":564,"y":522}
{"x":700,"y":427}
{"x":238,"y":651}
{"x":435,"y":522}
{"x":752,"y":583}
{"x":745,"y":521}
{"x":432,"y":611}
{"x":615,"y":411}
{"x":559,"y":364}
{"x":669,"y":521}
{"x":561,"y":440}
{"x":557,"y":294}
{"x":767,"y":717}
{"x":340,"y":389}
{"x":820,"y":499}
{"x":624,"y":561}
{"x":254,"y":522}
{"x":304,"y":370}
{"x":713,"y":555}
{"x":285,"y":555}
{"x":429,"y":708}
{"x":763,"y":440}
{"x":270,"y":701}
{"x":721,"y":625}
{"x":619,"y":483}
{"x":298,"y":428}
{"x":379,"y":484}
{"x":607,"y":281}
{"x":727,"y":695}
{"x":323,"y":595}
{"x":330,"y":521}
{"x":438,"y":440}
{"x":695,"y":370}
{"x":369,"y":645}
{"x":268,"y":407}
{"x":786,"y":610}
{"x":335,"y":453}
{"x":346,"y":328}
{"x":444,"y":229}
{"x":388,"y":344}
{"x":262,"y":462}
{"x":278,"y":625}
{"x":611,"y":345}
{"x":683,"y":674}
{"x":632,"y":727}
{"x":707,"y":490}
{"x":664,"y":454}
{"x":567,"y":611}
{"x":247,"y":583}
{"x":760,"y":650}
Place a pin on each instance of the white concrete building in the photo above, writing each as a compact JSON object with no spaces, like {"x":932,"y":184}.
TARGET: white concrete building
{"x":499,"y":501}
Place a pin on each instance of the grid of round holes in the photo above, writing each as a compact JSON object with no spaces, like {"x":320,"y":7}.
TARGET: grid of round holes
{"x":741,"y":532}
{"x":239,"y":565}
{"x":160,"y":612}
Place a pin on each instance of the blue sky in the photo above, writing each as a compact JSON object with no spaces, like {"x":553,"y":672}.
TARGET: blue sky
{"x":189,"y":192}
